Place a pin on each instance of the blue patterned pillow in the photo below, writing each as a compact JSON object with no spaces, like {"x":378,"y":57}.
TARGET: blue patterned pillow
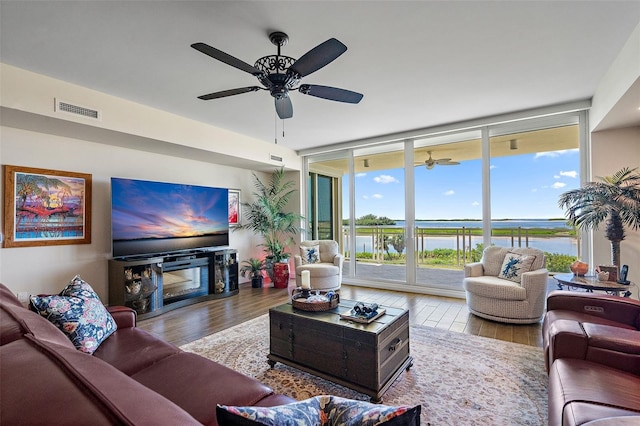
{"x":319,"y":411}
{"x":514,"y":265}
{"x":79,"y":313}
{"x":310,"y":254}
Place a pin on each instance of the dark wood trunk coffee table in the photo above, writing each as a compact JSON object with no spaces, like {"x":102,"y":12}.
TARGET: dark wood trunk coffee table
{"x":367,"y":358}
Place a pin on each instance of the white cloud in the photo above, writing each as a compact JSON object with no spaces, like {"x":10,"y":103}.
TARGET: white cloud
{"x":475,"y":204}
{"x":385,"y":179}
{"x":449,"y":192}
{"x":558,"y":185}
{"x":374,"y":196}
{"x":492,"y":167}
{"x":360,"y":175}
{"x":554,"y":154}
{"x":570,"y":173}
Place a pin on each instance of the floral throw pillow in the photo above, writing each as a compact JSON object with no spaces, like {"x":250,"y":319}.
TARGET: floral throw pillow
{"x":514,"y":265}
{"x":79,"y":313}
{"x":321,"y":411}
{"x":310,"y":254}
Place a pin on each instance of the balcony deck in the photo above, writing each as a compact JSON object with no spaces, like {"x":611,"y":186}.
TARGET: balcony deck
{"x":449,"y":279}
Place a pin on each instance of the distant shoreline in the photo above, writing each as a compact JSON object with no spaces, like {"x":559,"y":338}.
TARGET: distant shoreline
{"x":492,"y":220}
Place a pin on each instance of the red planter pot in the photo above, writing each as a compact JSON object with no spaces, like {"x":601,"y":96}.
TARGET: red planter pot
{"x":281,"y":275}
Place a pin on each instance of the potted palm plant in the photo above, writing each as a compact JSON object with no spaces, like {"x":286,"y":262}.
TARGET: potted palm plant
{"x":615,"y":199}
{"x":266,"y":216}
{"x":254,"y":268}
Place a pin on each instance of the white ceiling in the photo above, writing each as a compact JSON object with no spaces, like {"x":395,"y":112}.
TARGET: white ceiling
{"x":418,"y":63}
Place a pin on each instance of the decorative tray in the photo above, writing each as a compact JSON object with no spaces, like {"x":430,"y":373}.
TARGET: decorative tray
{"x":314,"y":300}
{"x":351,"y":315}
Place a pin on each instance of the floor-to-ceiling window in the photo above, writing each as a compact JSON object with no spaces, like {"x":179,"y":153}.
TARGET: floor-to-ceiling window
{"x":379,"y":213}
{"x":448,"y":206}
{"x":529,"y":170}
{"x":321,"y":208}
{"x":414,"y":211}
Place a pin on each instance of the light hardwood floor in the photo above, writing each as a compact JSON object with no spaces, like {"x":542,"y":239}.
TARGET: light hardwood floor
{"x":190,"y":323}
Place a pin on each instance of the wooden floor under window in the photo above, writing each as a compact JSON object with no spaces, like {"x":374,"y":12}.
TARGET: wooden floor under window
{"x":190,"y":323}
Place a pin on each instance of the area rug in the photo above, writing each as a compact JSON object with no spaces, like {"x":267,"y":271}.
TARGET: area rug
{"x":459,"y":379}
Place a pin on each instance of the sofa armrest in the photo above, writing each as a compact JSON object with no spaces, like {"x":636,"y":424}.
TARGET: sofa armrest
{"x":297,"y":261}
{"x":338,"y":261}
{"x":475,"y":269}
{"x":123,"y":316}
{"x":566,"y":339}
{"x":619,"y":309}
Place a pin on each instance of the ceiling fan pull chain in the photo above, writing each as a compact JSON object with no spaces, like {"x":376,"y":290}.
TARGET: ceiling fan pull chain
{"x":275,"y":128}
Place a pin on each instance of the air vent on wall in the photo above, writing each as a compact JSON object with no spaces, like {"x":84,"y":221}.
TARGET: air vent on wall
{"x":69,"y":108}
{"x":276,"y":158}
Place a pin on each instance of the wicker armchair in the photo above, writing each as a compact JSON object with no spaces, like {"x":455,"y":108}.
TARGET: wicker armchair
{"x":519,"y":298}
{"x":325,"y":266}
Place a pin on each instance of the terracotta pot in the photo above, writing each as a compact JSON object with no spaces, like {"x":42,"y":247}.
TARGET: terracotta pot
{"x":579,"y":268}
{"x":281,"y":275}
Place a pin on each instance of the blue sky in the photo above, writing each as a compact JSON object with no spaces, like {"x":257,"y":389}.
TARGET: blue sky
{"x":522,"y":187}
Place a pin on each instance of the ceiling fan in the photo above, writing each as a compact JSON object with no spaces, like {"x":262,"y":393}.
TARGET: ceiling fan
{"x":279,"y":74}
{"x":432,"y":162}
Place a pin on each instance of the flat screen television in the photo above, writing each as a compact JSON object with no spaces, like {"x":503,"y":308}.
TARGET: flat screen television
{"x":158,"y":217}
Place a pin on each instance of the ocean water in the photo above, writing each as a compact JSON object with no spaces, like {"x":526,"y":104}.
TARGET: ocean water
{"x":510,"y":223}
{"x":559,"y":245}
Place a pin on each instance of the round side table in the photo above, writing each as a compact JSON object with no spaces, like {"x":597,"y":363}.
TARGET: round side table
{"x":591,"y":284}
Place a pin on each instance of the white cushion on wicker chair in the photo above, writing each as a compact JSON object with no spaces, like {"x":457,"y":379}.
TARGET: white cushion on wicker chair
{"x":496,"y":288}
{"x":326,"y":274}
{"x":503,"y":300}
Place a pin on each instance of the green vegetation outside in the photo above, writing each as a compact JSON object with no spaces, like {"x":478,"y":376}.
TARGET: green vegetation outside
{"x":448,"y":259}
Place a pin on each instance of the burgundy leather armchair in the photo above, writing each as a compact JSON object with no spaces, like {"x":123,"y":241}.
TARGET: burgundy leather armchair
{"x":592,"y":352}
{"x":594,"y":327}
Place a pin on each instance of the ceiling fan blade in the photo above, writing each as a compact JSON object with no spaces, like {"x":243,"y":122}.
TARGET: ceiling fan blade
{"x":229,"y":92}
{"x":318,"y":57}
{"x":449,"y":163}
{"x":331,"y":93}
{"x":226,"y":58}
{"x":284,"y":107}
{"x":442,"y":160}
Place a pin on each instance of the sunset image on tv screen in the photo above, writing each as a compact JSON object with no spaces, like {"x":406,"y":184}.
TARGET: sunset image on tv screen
{"x":150,"y":217}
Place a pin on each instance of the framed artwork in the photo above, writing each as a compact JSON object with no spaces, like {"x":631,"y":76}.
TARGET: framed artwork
{"x":234,"y":207}
{"x":46,"y":207}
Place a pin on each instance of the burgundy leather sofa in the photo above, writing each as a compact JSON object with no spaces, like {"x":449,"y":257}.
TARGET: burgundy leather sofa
{"x":592,"y":352}
{"x":133,"y":378}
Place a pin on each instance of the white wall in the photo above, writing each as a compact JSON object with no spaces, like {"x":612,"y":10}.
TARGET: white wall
{"x":48,"y":269}
{"x":130,"y":140}
{"x":621,"y":76}
{"x":123,"y":122}
{"x":611,"y":151}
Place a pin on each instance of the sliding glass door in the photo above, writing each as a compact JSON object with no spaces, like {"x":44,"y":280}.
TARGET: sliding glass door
{"x":321,"y":208}
{"x":378,"y":247}
{"x":529,"y":171}
{"x":415,"y":211}
{"x":448,"y":206}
